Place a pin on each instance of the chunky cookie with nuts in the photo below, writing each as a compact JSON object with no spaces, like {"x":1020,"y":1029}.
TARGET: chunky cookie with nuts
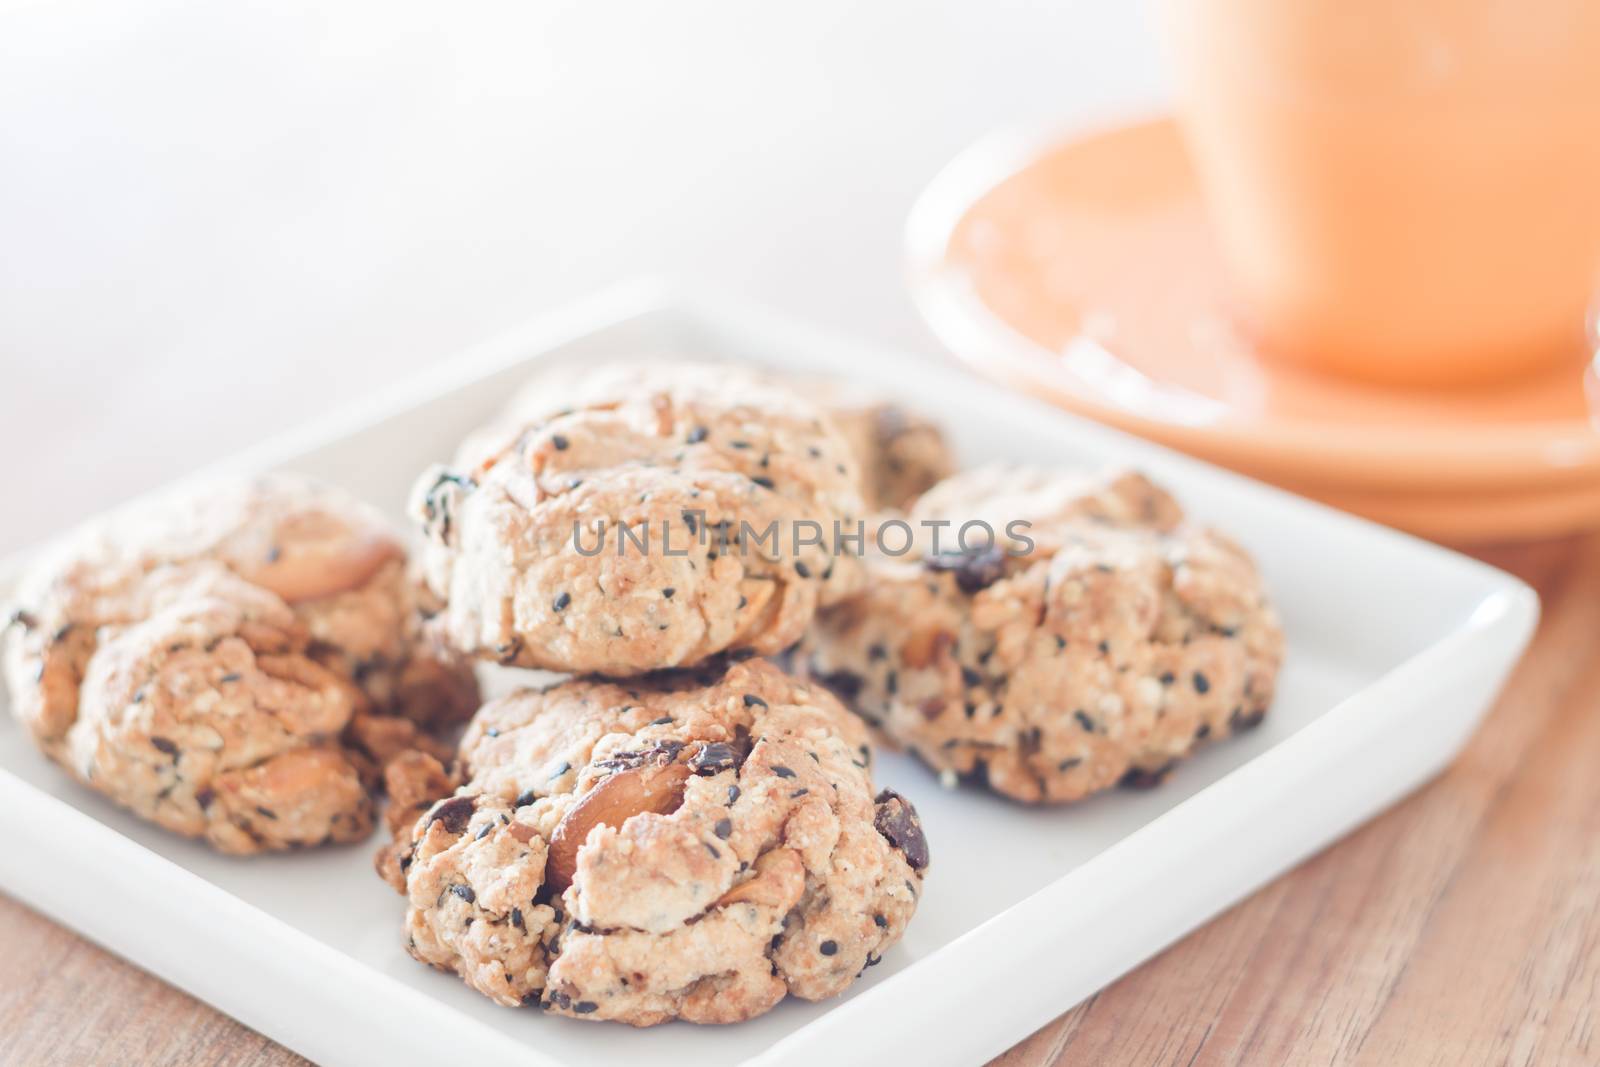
{"x":232,"y":662}
{"x":680,"y":846}
{"x":901,"y":455}
{"x":1098,"y":644}
{"x":629,"y":518}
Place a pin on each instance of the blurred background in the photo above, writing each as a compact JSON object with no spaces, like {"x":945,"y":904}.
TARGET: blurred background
{"x":217,"y":220}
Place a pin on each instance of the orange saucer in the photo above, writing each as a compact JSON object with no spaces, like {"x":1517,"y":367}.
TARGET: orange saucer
{"x":1082,"y":269}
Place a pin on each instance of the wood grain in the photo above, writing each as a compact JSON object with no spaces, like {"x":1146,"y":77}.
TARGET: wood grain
{"x":1461,"y":927}
{"x":67,"y":1003}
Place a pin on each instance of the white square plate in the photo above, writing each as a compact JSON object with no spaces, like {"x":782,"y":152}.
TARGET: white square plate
{"x":1396,"y":648}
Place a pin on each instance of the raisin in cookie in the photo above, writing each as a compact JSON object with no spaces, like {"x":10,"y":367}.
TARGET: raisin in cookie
{"x":691,"y":845}
{"x":227,"y":661}
{"x":640,"y":517}
{"x":1099,"y":644}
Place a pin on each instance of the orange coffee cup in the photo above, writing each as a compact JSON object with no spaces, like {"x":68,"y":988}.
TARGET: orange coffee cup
{"x":1405,"y":191}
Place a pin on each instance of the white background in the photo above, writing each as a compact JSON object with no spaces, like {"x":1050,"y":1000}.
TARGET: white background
{"x":219,"y":219}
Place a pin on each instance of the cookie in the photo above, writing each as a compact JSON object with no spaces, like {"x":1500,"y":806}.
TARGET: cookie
{"x":641,"y":517}
{"x":900,"y":454}
{"x":689,"y":845}
{"x":1100,"y":643}
{"x":233,"y":661}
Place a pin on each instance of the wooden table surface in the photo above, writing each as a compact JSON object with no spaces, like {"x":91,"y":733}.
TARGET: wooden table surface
{"x":1461,"y":927}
